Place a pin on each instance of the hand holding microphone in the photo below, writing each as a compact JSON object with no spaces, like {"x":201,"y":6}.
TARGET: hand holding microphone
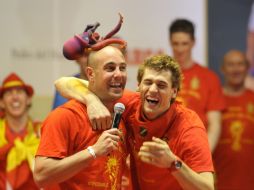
{"x":108,"y":140}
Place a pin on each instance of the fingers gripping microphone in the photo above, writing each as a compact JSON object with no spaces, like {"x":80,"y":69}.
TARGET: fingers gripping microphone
{"x":118,"y":110}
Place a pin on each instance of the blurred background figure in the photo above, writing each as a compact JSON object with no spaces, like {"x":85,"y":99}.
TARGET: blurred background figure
{"x":1,"y":113}
{"x":201,"y":90}
{"x":234,"y":155}
{"x":19,"y":135}
{"x":250,"y":50}
{"x":82,"y":63}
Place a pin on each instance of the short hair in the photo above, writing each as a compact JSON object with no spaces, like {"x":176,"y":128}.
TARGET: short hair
{"x":235,"y":51}
{"x":162,"y":63}
{"x":182,"y":25}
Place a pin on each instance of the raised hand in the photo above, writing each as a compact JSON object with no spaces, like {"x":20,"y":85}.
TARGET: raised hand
{"x":156,"y":152}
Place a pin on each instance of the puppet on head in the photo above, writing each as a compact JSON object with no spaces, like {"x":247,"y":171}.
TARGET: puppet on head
{"x":90,"y":40}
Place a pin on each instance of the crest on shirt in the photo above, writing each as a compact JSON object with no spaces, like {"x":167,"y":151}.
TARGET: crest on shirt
{"x":250,"y":108}
{"x":194,"y":83}
{"x":236,"y":130}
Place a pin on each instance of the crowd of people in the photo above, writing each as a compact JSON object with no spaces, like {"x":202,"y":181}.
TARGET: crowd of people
{"x":182,"y":129}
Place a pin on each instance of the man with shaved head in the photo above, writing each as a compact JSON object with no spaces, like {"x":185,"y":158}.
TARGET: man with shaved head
{"x":70,"y":153}
{"x":234,"y":155}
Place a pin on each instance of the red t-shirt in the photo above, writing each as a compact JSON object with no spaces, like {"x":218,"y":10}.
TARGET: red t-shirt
{"x":201,"y":91}
{"x":66,"y":131}
{"x":181,"y":128}
{"x":1,"y":113}
{"x":234,"y":154}
{"x":21,"y":178}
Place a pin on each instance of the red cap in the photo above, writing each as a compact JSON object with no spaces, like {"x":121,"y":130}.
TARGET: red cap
{"x":12,"y":81}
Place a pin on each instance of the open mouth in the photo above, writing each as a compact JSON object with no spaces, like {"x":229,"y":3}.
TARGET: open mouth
{"x":15,"y":104}
{"x":116,"y":85}
{"x":152,"y":101}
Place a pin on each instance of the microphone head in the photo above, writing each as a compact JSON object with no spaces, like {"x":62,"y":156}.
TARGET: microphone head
{"x":119,"y":108}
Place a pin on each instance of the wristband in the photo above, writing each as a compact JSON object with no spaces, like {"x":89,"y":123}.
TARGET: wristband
{"x":176,"y":165}
{"x":91,"y":151}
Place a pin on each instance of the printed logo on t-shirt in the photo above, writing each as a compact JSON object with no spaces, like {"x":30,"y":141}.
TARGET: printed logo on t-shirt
{"x":195,"y":83}
{"x":236,"y":130}
{"x":250,"y":108}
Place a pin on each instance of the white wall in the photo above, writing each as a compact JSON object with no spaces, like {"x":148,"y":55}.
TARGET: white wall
{"x":33,"y":32}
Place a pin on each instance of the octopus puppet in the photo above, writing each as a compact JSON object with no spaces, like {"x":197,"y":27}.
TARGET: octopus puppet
{"x":90,"y":40}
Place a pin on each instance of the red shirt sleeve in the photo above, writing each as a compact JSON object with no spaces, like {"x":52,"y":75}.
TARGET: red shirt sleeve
{"x":216,"y":98}
{"x":55,"y":134}
{"x":197,"y":154}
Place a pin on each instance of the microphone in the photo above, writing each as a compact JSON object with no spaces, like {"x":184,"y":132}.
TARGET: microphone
{"x":118,"y":110}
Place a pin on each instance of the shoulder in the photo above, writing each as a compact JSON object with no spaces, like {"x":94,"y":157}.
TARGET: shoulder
{"x":72,"y":111}
{"x":72,"y":107}
{"x":205,"y":71}
{"x":249,"y":92}
{"x":189,"y":128}
{"x":129,"y":94}
{"x":187,"y":119}
{"x":129,"y":98}
{"x":248,"y":96}
{"x":65,"y":122}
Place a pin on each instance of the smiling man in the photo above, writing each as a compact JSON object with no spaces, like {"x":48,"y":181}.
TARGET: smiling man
{"x":235,"y":148}
{"x":70,"y":153}
{"x":19,"y":135}
{"x":168,"y":142}
{"x":201,"y":89}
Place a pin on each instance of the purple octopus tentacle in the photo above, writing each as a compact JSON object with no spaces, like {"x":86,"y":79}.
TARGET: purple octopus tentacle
{"x":102,"y":44}
{"x":116,"y":29}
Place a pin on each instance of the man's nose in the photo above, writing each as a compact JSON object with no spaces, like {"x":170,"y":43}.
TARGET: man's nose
{"x":179,"y":49}
{"x":153,"y":88}
{"x":118,"y":72}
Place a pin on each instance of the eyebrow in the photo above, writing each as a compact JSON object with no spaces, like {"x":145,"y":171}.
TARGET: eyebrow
{"x":113,"y":63}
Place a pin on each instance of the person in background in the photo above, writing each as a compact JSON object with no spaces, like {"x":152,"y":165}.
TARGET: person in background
{"x":19,"y":135}
{"x":82,"y":63}
{"x":201,"y":89}
{"x":70,"y":153}
{"x":250,"y":50}
{"x":168,"y":142}
{"x":234,"y":155}
{"x":1,"y":113}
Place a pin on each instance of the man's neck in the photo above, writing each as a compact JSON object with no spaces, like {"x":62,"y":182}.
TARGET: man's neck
{"x":83,"y":76}
{"x":233,"y":90}
{"x":187,"y":64}
{"x":17,"y":124}
{"x":109,"y":106}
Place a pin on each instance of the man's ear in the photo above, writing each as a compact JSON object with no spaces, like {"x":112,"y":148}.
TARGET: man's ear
{"x":174,"y":94}
{"x":90,"y":73}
